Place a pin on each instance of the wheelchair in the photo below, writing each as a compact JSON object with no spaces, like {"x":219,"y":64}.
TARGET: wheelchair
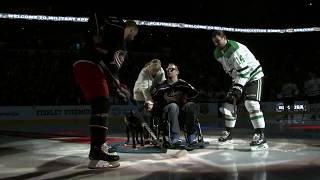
{"x":161,"y":127}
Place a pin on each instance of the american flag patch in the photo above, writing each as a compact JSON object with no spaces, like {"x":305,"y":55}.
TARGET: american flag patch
{"x":118,"y":58}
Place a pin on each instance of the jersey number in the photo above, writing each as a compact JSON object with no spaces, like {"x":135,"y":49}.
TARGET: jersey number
{"x":240,"y":59}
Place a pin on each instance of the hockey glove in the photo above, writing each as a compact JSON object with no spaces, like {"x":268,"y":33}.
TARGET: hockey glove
{"x":124,"y":92}
{"x":234,"y":93}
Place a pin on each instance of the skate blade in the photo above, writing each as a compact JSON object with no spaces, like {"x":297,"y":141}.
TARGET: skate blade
{"x":260,"y":147}
{"x":98,"y":164}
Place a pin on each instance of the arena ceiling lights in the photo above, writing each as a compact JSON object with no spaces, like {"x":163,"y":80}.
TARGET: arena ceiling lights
{"x":161,"y":24}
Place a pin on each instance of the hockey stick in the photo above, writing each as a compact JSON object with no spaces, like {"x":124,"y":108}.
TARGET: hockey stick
{"x":131,"y":105}
{"x":235,"y":107}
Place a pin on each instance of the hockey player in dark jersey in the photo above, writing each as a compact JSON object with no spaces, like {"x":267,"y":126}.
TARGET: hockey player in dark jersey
{"x":173,"y":98}
{"x":105,"y":52}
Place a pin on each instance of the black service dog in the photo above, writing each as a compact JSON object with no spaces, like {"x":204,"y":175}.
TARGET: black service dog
{"x":134,"y":125}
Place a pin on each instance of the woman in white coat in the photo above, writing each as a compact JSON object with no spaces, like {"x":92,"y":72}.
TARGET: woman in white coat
{"x":151,"y":74}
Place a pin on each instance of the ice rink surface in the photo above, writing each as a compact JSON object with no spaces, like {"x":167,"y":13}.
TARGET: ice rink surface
{"x":67,"y":158}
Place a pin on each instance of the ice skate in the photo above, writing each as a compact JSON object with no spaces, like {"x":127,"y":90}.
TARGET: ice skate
{"x":103,"y":157}
{"x":258,"y":142}
{"x":225,"y":141}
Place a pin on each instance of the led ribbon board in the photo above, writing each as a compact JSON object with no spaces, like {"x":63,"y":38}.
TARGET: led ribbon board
{"x":161,"y":24}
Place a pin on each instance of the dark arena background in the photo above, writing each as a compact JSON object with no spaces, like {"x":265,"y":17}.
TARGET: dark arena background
{"x":44,"y":117}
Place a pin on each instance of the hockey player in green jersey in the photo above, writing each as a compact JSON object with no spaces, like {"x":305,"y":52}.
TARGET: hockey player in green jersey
{"x":246,"y":73}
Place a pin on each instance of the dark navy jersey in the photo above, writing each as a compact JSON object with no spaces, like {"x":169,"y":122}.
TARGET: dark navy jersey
{"x":105,"y":42}
{"x":181,"y":90}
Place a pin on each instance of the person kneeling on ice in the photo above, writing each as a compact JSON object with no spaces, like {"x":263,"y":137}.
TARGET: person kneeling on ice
{"x":173,"y":98}
{"x":246,"y":73}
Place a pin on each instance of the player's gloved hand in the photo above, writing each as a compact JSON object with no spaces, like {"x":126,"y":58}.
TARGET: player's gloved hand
{"x":124,"y":92}
{"x":234,"y":93}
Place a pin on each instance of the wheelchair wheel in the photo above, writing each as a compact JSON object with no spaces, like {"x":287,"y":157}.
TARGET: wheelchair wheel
{"x":166,"y":144}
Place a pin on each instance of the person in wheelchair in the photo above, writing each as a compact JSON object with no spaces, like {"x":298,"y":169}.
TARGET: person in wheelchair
{"x":173,"y":101}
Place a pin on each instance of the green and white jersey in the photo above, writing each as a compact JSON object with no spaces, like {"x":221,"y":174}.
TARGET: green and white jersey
{"x":239,"y":63}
